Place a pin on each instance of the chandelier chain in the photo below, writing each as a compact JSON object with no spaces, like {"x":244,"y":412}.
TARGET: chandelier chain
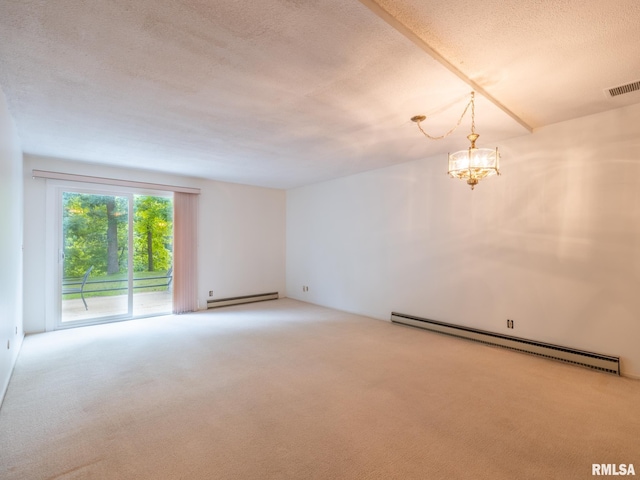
{"x":473,"y":112}
{"x":473,"y":119}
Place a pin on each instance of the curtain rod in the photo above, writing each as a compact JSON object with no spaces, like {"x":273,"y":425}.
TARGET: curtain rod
{"x":112,"y":181}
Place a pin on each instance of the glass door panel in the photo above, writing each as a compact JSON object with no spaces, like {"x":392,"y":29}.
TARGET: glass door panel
{"x":95,"y":269}
{"x":153,"y":255}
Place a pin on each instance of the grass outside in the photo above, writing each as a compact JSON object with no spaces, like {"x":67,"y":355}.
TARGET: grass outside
{"x":110,"y":285}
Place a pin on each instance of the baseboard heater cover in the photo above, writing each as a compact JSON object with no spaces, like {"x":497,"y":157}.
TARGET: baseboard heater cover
{"x":591,"y":360}
{"x":225,"y":302}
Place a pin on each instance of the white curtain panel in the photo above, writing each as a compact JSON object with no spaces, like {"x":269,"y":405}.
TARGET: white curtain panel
{"x":185,"y":247}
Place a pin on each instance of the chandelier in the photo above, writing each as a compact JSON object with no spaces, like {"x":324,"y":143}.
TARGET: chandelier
{"x":472,"y":164}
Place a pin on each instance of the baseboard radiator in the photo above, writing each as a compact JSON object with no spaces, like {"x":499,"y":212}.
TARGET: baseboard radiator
{"x":591,"y":360}
{"x":225,"y":302}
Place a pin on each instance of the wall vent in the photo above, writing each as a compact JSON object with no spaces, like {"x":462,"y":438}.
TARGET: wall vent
{"x":225,"y":302}
{"x":622,"y":89}
{"x":595,"y":361}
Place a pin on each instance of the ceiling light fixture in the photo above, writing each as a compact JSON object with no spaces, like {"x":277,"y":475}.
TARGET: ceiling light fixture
{"x":472,"y":164}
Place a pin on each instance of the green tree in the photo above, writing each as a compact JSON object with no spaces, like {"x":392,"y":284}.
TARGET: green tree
{"x":113,"y":265}
{"x":96,"y":233}
{"x":153,"y":233}
{"x":94,"y":228}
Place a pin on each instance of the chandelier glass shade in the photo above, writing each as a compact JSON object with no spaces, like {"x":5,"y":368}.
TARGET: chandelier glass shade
{"x":474,"y":164}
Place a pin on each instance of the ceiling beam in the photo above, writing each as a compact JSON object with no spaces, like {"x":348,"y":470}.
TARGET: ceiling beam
{"x":381,"y":12}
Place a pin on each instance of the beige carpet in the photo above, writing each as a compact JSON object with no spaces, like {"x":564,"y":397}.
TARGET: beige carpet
{"x":287,"y":390}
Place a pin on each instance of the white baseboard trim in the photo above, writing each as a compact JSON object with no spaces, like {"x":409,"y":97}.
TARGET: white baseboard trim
{"x":16,"y":351}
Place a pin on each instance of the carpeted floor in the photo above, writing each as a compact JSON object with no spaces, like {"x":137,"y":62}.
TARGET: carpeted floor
{"x":288,"y":390}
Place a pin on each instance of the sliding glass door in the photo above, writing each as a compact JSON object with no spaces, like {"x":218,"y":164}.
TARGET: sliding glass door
{"x":115,"y":256}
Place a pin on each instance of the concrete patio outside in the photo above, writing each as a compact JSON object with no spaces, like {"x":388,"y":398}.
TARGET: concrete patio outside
{"x":144,"y":304}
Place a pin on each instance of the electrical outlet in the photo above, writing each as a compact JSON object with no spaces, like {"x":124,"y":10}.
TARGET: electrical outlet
{"x":211,"y":293}
{"x":305,"y":288}
{"x":510,"y":323}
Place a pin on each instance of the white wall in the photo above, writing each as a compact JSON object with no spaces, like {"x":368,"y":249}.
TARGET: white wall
{"x":241,"y":240}
{"x":11,"y":332}
{"x":553,"y":243}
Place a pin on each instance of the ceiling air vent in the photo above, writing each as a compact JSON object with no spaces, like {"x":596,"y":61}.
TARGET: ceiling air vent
{"x":622,"y":89}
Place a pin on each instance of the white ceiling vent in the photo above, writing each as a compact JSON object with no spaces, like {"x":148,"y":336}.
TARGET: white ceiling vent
{"x":622,"y":89}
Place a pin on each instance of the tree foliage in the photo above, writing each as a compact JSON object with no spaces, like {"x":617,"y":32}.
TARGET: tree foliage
{"x":153,"y":233}
{"x":96,"y":233}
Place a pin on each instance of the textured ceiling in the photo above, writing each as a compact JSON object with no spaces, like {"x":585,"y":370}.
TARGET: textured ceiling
{"x":546,"y":60}
{"x":282,"y":93}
